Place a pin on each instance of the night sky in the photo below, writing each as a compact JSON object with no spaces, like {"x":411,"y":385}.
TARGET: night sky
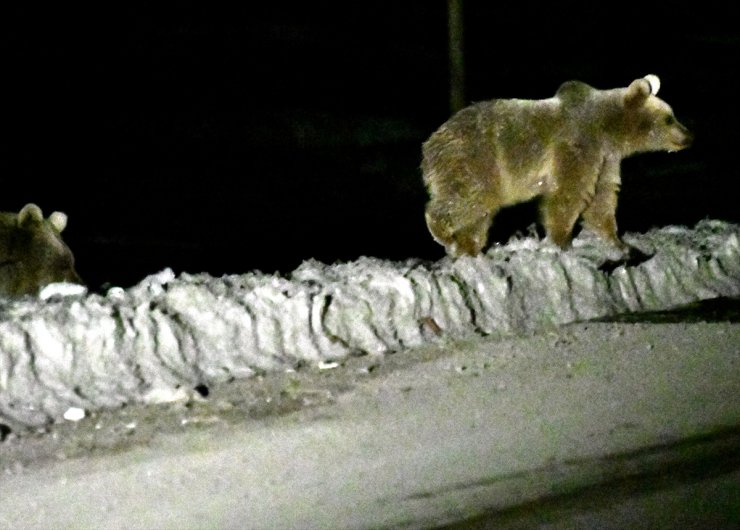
{"x":229,"y":140}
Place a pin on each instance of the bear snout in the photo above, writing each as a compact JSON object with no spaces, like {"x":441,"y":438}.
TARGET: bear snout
{"x":682,"y":138}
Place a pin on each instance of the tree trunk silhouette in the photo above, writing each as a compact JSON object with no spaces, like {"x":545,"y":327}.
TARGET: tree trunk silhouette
{"x":457,"y":62}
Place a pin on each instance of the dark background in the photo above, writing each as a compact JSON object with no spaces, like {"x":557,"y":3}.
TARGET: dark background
{"x":228,"y":140}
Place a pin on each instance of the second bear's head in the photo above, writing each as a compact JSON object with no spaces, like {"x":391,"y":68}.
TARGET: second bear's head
{"x":32,"y":252}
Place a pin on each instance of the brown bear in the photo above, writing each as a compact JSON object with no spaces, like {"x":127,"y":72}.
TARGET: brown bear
{"x":566,"y":149}
{"x":32,"y":252}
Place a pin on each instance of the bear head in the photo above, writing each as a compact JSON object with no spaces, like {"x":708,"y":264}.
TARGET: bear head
{"x":32,"y":252}
{"x":648,"y":122}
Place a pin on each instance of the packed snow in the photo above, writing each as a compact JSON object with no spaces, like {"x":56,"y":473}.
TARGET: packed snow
{"x":157,"y":340}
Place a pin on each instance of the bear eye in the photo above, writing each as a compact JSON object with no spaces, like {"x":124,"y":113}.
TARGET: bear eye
{"x":669,"y":120}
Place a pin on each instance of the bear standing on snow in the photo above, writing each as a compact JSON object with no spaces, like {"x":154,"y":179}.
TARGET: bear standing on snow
{"x":566,"y":149}
{"x":32,"y":253}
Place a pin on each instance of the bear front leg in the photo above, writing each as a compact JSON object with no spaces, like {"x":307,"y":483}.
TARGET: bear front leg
{"x":559,"y":212}
{"x":600,"y":214}
{"x":575,"y":174}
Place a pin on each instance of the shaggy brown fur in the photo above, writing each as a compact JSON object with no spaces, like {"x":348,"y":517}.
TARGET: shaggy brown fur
{"x":32,"y":252}
{"x":566,"y":149}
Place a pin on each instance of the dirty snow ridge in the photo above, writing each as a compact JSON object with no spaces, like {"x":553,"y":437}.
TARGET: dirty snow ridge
{"x":149,"y":342}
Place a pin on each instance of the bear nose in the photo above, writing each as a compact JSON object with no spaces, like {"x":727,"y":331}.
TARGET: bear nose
{"x":685,"y":139}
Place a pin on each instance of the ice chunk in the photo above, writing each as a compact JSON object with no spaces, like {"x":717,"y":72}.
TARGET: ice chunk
{"x":62,"y":289}
{"x":74,"y":414}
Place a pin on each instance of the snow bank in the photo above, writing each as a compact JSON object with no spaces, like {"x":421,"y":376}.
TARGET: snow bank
{"x":149,"y":342}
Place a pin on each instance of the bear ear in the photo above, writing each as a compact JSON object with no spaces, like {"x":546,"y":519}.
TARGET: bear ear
{"x":654,"y":81}
{"x":58,"y":220}
{"x":29,"y":214}
{"x":638,"y":92}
